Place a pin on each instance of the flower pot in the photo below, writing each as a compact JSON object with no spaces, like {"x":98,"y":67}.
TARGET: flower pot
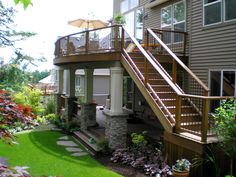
{"x":180,"y":174}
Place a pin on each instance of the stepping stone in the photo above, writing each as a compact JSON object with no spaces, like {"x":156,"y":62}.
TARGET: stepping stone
{"x":78,"y":154}
{"x":66,"y":143}
{"x":72,"y":149}
{"x":64,"y":138}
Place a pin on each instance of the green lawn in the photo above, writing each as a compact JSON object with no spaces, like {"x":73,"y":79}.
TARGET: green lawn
{"x":39,"y":151}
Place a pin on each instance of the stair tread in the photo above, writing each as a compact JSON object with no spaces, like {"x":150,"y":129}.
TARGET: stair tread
{"x":85,"y":139}
{"x":191,"y":123}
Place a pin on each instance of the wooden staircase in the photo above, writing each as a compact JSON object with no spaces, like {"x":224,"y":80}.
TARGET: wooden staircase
{"x":182,"y":105}
{"x":166,"y":95}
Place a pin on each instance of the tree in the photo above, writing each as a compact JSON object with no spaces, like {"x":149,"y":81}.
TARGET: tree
{"x":225,"y":127}
{"x":25,"y":3}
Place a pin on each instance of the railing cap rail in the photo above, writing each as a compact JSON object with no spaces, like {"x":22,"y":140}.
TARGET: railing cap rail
{"x":178,"y":60}
{"x":173,"y":86}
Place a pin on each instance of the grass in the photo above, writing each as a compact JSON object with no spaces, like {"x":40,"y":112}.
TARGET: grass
{"x":39,"y":151}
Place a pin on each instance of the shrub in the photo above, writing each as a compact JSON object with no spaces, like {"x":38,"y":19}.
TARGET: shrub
{"x":52,"y":117}
{"x":138,"y":140}
{"x":29,"y":97}
{"x":103,"y":146}
{"x":10,"y":114}
{"x":50,"y":107}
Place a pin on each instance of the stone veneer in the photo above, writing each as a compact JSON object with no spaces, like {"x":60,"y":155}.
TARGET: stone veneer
{"x":116,"y":129}
{"x":70,"y":108}
{"x":88,"y":115}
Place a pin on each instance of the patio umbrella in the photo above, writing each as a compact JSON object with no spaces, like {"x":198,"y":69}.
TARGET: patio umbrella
{"x":86,"y":23}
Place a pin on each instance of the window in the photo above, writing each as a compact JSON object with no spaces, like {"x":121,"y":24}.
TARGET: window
{"x":230,"y":9}
{"x":173,"y":18}
{"x":216,"y":11}
{"x":139,"y":24}
{"x":222,"y":83}
{"x":212,"y":9}
{"x":134,"y":23}
{"x":128,"y":4}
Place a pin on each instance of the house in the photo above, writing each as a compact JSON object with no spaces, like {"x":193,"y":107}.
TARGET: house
{"x":182,"y":64}
{"x":101,"y":82}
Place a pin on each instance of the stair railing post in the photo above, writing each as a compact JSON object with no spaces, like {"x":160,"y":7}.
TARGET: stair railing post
{"x":122,"y":38}
{"x":204,"y":127}
{"x":178,"y":113}
{"x":87,"y":42}
{"x":67,"y":45}
{"x":146,"y":44}
{"x":185,"y":42}
{"x":174,"y":71}
{"x":116,"y":37}
{"x":145,"y":71}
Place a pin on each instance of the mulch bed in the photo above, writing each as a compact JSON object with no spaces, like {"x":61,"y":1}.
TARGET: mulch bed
{"x":126,"y":171}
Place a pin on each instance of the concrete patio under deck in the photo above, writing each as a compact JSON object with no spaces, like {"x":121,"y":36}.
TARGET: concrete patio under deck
{"x":134,"y":125}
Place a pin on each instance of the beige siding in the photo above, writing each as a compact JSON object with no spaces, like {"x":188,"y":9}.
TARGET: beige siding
{"x":211,"y":47}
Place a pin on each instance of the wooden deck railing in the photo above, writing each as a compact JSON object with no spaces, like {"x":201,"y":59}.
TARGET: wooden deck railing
{"x":98,"y":40}
{"x":193,"y":90}
{"x":175,"y":40}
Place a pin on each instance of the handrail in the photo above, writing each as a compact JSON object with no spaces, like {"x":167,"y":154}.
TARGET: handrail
{"x":173,"y":86}
{"x":178,"y":60}
{"x":81,"y":32}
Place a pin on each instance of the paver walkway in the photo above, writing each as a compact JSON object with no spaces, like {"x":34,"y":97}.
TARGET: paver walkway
{"x":71,"y":146}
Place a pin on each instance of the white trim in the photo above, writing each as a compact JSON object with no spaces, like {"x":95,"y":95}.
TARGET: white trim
{"x":209,"y":4}
{"x":221,"y":79}
{"x":223,"y":13}
{"x":155,"y":3}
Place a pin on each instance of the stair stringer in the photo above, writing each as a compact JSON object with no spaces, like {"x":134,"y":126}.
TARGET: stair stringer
{"x":168,"y":126}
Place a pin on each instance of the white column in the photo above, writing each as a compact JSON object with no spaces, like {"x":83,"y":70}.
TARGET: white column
{"x":88,"y":85}
{"x":60,"y":81}
{"x":71,"y":83}
{"x":116,"y":90}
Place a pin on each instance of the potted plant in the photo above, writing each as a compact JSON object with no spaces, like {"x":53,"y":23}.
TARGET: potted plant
{"x":181,"y":168}
{"x":119,"y":19}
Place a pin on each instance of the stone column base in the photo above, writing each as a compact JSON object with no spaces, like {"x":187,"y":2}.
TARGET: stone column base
{"x":88,"y":115}
{"x":58,"y":103}
{"x":116,"y":129}
{"x":70,"y":108}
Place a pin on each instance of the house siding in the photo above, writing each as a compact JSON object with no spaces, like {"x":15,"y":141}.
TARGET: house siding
{"x":212,"y":47}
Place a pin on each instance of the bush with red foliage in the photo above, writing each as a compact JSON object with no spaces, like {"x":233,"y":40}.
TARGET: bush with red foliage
{"x":10,"y":113}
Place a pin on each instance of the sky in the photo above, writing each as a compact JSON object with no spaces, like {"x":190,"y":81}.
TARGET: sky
{"x":49,"y":19}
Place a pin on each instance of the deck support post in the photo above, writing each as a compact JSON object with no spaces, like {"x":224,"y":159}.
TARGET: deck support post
{"x":116,"y":90}
{"x":70,"y":106}
{"x":88,"y":109}
{"x":204,"y":127}
{"x":88,"y":85}
{"x":116,"y":120}
{"x":58,"y":99}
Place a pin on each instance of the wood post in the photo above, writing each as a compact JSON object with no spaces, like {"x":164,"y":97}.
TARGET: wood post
{"x":174,"y":71}
{"x":87,"y":42}
{"x":204,"y":127}
{"x":178,"y":113}
{"x":145,"y":72}
{"x":185,"y":42}
{"x":147,"y":41}
{"x":116,"y":37}
{"x":123,"y":39}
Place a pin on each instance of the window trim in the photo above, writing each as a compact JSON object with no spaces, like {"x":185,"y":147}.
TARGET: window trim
{"x":224,"y":15}
{"x":221,"y":79}
{"x":129,"y":6}
{"x":223,"y":10}
{"x":209,"y":4}
{"x":172,"y":15}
